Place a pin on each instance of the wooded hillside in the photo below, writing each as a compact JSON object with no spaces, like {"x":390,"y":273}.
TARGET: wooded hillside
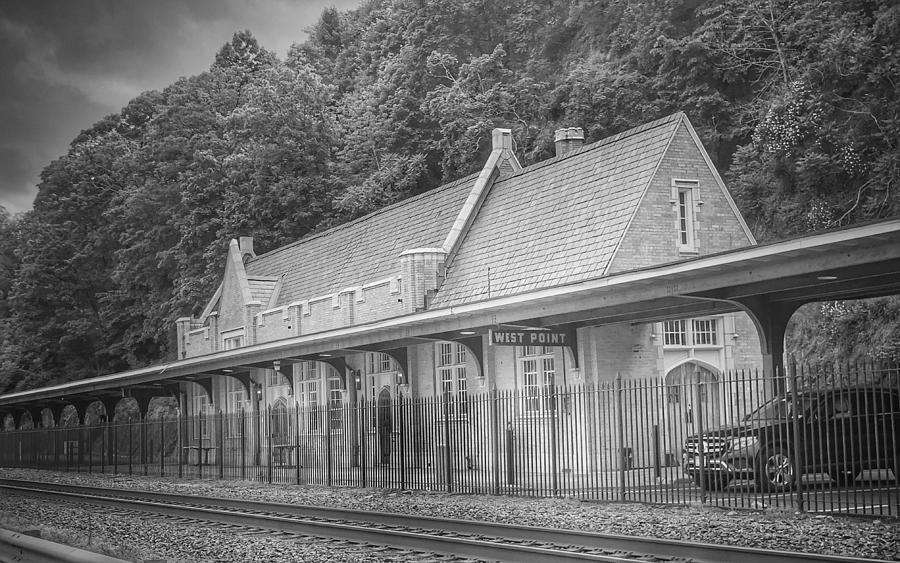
{"x":797,"y":101}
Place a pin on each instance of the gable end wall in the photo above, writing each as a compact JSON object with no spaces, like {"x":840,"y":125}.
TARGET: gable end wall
{"x":652,"y":237}
{"x":232,"y":312}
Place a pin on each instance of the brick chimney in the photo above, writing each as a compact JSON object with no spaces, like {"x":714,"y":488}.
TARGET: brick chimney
{"x":568,"y":140}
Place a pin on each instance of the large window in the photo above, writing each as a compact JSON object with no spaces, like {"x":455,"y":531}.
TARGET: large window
{"x":696,"y":332}
{"x":674,"y":333}
{"x":200,"y":426}
{"x":275,"y":378}
{"x":308,"y":394}
{"x":705,"y":332}
{"x":235,"y":404}
{"x":335,"y":403}
{"x":453,"y":380}
{"x":538,"y":369}
{"x":379,"y":362}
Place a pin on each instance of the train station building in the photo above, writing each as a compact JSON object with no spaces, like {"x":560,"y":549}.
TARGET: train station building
{"x":645,"y":197}
{"x":622,"y":260}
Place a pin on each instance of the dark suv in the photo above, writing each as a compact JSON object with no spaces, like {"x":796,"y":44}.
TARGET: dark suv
{"x":840,"y":431}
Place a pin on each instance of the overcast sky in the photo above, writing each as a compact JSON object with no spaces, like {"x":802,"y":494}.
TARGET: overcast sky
{"x":64,"y":64}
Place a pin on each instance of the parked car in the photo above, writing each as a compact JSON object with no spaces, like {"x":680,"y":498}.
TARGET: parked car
{"x":840,"y":431}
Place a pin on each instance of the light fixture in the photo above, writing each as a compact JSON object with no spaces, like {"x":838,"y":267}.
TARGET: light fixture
{"x":227,"y":371}
{"x":826,"y":278}
{"x":468,"y":332}
{"x":324,"y":355}
{"x":258,"y":391}
{"x":276,"y":365}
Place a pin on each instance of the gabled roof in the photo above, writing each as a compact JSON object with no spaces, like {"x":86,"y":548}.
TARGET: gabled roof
{"x":554,"y":223}
{"x":362,"y":251}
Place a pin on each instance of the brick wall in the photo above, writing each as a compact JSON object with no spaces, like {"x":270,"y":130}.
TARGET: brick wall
{"x":621,"y":348}
{"x":652,"y":237}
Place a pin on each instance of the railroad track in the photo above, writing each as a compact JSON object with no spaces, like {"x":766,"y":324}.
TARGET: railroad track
{"x":459,"y":538}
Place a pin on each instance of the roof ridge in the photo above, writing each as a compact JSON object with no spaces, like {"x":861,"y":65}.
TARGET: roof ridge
{"x":602,"y":142}
{"x":368,"y":216}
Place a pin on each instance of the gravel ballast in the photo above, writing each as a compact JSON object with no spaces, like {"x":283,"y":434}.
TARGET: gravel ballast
{"x":152,"y":538}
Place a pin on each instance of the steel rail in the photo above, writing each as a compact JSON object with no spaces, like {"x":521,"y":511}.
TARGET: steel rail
{"x":16,"y":547}
{"x":353,"y":524}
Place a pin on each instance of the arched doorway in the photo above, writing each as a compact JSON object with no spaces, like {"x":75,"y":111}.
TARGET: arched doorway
{"x":692,"y":397}
{"x":384,"y":421}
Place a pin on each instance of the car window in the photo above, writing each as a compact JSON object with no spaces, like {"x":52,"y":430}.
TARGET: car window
{"x":779,"y":408}
{"x":776,"y":409}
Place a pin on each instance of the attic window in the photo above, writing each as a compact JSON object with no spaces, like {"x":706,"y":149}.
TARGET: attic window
{"x":686,"y":197}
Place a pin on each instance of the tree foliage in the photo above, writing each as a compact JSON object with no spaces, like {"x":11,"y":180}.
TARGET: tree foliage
{"x":796,"y":100}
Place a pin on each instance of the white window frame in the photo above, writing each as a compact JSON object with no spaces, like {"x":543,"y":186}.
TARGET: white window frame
{"x":232,"y":339}
{"x":379,"y":362}
{"x":705,"y":332}
{"x":537,"y":372}
{"x":236,"y":401}
{"x":309,"y":387}
{"x":275,"y":378}
{"x":700,"y":332}
{"x":675,"y":333}
{"x":200,"y":427}
{"x":686,"y":199}
{"x":453,"y":377}
{"x":335,"y":403}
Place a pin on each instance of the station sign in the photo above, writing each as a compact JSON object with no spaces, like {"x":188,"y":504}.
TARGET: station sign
{"x":530,"y":338}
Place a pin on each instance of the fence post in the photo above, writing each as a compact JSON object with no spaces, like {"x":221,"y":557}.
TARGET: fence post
{"x":221,"y":444}
{"x":510,"y":454}
{"x":402,"y":412}
{"x":495,"y":437}
{"x":243,"y":447}
{"x":181,"y":426}
{"x":131,"y":445}
{"x":326,"y":414}
{"x":620,"y":435}
{"x":657,"y":458}
{"x":554,"y":447}
{"x":162,"y":447}
{"x":795,"y":430}
{"x":297,"y":439}
{"x":447,"y":454}
{"x":269,"y":469}
{"x":115,"y":448}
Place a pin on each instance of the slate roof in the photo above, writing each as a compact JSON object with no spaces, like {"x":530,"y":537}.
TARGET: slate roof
{"x":558,"y":221}
{"x":261,"y":288}
{"x":364,"y":250}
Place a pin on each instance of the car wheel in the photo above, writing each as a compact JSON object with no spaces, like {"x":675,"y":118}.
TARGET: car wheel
{"x":776,"y":470}
{"x":712,"y":482}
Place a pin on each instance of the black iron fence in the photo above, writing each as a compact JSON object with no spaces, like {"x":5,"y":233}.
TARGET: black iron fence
{"x":820,"y":440}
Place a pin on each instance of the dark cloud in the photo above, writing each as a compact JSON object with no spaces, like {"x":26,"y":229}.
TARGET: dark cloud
{"x":67,"y":64}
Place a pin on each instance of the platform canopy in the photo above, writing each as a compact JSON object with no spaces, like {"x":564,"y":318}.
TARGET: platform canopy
{"x":768,"y":281}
